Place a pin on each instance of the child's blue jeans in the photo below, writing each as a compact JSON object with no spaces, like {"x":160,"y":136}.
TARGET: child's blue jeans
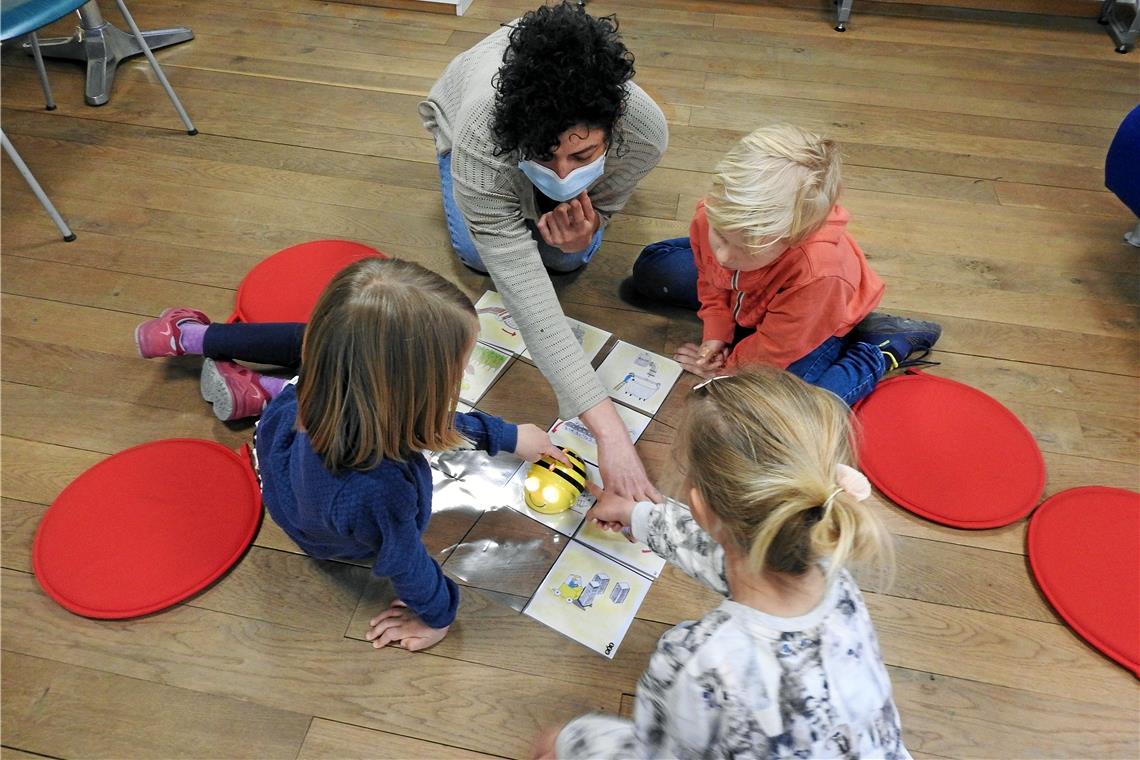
{"x":553,"y":258}
{"x":667,"y":272}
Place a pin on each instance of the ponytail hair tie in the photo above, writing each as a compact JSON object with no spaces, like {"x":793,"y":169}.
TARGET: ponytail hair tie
{"x":851,"y":482}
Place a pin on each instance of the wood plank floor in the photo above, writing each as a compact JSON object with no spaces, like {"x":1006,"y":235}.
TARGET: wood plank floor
{"x":974,"y":146}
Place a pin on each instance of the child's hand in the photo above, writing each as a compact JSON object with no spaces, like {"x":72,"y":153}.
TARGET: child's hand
{"x":705,"y":360}
{"x":533,"y":442}
{"x":545,"y":743}
{"x":570,"y":226}
{"x":611,"y":512}
{"x":401,"y":626}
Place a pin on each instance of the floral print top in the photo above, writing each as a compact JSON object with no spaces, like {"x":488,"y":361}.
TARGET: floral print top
{"x":743,"y":684}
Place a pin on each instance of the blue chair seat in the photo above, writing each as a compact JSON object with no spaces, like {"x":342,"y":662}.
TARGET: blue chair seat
{"x":19,"y":17}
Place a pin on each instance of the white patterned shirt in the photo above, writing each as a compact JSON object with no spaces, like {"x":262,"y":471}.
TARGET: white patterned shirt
{"x":740,"y":683}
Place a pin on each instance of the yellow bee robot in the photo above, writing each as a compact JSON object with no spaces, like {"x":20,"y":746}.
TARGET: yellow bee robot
{"x":552,"y":486}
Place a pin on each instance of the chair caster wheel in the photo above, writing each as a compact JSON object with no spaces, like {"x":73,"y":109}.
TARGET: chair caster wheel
{"x":841,"y":28}
{"x":1123,"y":49}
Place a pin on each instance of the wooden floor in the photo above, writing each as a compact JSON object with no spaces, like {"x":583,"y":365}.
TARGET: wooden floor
{"x":974,"y":145}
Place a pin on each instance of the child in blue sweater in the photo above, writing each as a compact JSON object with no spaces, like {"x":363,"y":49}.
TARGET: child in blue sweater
{"x":340,"y":448}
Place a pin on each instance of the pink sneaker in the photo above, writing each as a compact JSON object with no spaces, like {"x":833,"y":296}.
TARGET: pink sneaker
{"x":161,"y":337}
{"x":232,"y":389}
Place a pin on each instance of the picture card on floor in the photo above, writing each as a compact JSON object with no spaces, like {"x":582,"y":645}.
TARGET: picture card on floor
{"x":496,"y":325}
{"x":638,"y":377}
{"x":615,"y":545}
{"x":590,"y":598}
{"x":573,"y":433}
{"x":486,"y":363}
{"x":566,"y":522}
{"x":592,"y":339}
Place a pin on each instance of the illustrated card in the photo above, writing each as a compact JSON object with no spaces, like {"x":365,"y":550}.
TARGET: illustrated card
{"x":566,"y":522}
{"x":486,"y":363}
{"x":638,"y":377}
{"x":616,"y":546}
{"x":592,"y":339}
{"x":590,"y":598}
{"x":574,"y":434}
{"x":496,"y":325}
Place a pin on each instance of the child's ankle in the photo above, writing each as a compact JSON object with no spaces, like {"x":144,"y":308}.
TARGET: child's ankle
{"x":191,"y":336}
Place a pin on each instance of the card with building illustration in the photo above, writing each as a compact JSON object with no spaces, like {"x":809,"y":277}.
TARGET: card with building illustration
{"x":486,"y":363}
{"x":638,"y":377}
{"x":565,"y":522}
{"x":574,"y":434}
{"x":615,"y":545}
{"x":590,"y":598}
{"x":592,"y":339}
{"x":496,"y":325}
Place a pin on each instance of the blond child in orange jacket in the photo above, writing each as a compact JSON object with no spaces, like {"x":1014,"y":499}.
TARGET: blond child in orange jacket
{"x":775,"y":276}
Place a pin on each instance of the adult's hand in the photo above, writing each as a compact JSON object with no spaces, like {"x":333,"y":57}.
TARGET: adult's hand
{"x":621,"y":467}
{"x":571,"y":225}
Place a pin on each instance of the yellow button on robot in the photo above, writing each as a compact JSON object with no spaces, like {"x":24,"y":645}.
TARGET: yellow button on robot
{"x":552,"y":486}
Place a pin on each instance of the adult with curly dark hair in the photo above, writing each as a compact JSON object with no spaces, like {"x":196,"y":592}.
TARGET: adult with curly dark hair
{"x":542,"y":137}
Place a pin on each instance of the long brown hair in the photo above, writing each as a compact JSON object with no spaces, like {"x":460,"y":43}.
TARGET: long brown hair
{"x":381,"y":364}
{"x":762,"y":449}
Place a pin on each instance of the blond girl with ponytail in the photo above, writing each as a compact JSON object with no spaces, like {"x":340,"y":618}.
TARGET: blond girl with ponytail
{"x":789,"y":664}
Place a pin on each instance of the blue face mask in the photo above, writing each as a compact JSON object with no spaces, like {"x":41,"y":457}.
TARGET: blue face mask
{"x":563,"y":189}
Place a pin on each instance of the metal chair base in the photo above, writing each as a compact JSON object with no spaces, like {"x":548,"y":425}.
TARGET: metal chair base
{"x":103,"y":46}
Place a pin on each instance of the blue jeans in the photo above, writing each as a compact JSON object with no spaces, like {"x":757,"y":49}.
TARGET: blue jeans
{"x":553,"y":258}
{"x":666,"y":272}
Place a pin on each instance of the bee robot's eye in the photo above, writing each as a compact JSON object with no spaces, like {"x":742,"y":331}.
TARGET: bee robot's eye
{"x":552,"y":486}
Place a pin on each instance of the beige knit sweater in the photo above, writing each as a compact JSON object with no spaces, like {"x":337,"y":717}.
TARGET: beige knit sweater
{"x":495,"y":198}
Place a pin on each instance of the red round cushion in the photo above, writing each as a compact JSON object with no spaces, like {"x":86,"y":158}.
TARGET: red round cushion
{"x":285,"y":286}
{"x":949,"y":452}
{"x":147,"y":527}
{"x":1083,"y":547}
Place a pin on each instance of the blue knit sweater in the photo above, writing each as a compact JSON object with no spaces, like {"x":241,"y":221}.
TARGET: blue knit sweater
{"x":378,"y":514}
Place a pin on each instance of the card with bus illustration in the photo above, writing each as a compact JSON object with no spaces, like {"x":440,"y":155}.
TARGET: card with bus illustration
{"x":590,"y":598}
{"x":638,"y":377}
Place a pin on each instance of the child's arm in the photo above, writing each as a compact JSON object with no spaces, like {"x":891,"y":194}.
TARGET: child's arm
{"x":669,"y":530}
{"x":796,"y":323}
{"x":717,"y":322}
{"x":432,"y":599}
{"x":494,"y":434}
{"x":487,"y":432}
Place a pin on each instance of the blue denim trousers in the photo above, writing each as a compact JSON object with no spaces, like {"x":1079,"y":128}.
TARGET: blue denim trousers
{"x":555,"y":259}
{"x":667,"y":272}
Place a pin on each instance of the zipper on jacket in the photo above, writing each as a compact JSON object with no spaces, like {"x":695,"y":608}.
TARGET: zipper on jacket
{"x":739,"y":297}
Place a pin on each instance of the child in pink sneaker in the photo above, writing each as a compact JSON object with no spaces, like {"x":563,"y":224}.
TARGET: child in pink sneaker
{"x":340,"y":448}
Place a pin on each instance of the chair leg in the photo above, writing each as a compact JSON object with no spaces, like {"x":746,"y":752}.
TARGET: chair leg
{"x":41,"y":196}
{"x":157,"y":69}
{"x":44,"y":84}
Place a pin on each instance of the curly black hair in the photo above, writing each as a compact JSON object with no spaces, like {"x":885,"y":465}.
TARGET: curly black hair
{"x":562,"y":68}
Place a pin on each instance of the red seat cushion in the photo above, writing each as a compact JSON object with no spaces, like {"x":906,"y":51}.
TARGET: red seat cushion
{"x":1084,"y":549}
{"x":147,"y":527}
{"x":949,"y":452}
{"x":285,"y":286}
